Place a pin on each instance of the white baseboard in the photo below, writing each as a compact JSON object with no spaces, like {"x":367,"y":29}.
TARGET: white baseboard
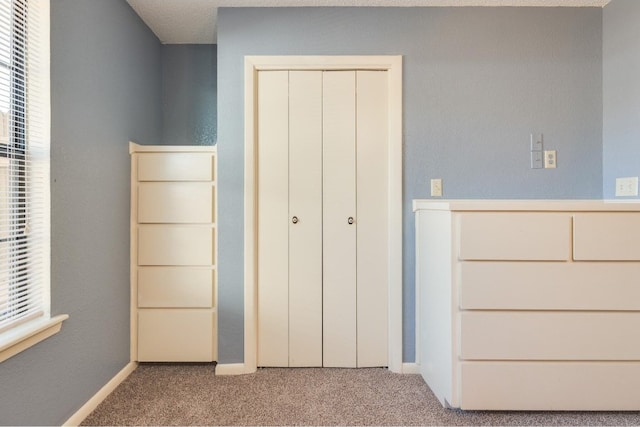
{"x":410,"y":368}
{"x":232,"y":369}
{"x":102,"y":394}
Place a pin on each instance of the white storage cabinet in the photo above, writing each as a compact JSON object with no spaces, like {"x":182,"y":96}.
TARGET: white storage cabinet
{"x":173,"y":254}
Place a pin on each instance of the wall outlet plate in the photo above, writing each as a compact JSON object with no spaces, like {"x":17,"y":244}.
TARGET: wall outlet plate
{"x":627,"y":187}
{"x":436,"y":187}
{"x":550,"y":159}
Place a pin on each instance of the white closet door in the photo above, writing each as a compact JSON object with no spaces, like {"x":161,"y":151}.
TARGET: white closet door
{"x":273,"y":218}
{"x":305,"y":204}
{"x":339,"y":204}
{"x":373,"y":211}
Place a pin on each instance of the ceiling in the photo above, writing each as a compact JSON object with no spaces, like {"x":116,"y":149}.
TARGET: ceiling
{"x":194,"y":21}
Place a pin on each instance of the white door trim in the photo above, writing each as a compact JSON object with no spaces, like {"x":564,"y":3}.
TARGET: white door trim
{"x":393,"y":64}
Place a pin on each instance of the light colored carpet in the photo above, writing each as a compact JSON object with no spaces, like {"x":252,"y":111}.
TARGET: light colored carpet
{"x":185,"y":394}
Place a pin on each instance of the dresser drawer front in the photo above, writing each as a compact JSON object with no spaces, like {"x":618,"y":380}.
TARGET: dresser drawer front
{"x":175,"y":287}
{"x":549,"y":336}
{"x":602,"y":286}
{"x":175,"y":202}
{"x":175,"y":245}
{"x":607,"y":236}
{"x":175,"y":167}
{"x":175,"y":335}
{"x":515,"y":236}
{"x":548,"y":386}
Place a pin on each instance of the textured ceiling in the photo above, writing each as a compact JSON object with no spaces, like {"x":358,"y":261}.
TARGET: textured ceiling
{"x":194,"y":21}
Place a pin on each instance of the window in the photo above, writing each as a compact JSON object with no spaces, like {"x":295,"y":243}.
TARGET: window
{"x":24,"y":176}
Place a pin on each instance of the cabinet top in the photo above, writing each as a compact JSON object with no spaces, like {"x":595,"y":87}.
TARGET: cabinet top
{"x":137,"y":148}
{"x":527,"y":205}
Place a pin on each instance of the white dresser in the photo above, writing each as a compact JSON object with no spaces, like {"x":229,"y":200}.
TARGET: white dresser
{"x":529,"y":305}
{"x":173,"y":253}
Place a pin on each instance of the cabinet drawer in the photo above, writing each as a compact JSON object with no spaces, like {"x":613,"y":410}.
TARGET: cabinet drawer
{"x":515,"y":236}
{"x":549,"y":336}
{"x":175,"y":287}
{"x":607,"y":236}
{"x":544,"y":386}
{"x":175,"y":202}
{"x":176,"y":335}
{"x":175,"y":245}
{"x":175,"y":167}
{"x":549,"y":286}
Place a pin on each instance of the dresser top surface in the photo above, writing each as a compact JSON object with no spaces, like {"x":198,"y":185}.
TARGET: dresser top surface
{"x":526,"y":205}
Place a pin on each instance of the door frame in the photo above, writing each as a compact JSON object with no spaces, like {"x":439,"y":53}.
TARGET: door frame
{"x":253,"y":64}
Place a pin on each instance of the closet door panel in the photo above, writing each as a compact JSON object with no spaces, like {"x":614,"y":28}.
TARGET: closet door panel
{"x":339,"y":204}
{"x":372,"y":206}
{"x":273,"y":218}
{"x":305,"y":203}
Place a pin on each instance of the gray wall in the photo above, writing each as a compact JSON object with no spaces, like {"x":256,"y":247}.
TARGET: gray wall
{"x":477,"y":82}
{"x":105,"y":80}
{"x":621,"y":76}
{"x":189,"y":94}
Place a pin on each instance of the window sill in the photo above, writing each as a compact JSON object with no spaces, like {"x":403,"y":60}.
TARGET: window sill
{"x":21,"y":338}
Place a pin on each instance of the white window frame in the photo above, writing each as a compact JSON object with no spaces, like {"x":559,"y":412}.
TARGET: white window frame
{"x":24,"y":335}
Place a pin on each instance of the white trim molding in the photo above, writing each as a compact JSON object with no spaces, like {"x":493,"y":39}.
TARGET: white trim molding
{"x":231,"y":369}
{"x":24,"y":336}
{"x":392,"y":64}
{"x":82,"y":413}
{"x":410,"y":368}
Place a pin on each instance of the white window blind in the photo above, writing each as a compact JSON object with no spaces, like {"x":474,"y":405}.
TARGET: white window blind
{"x":24,"y":162}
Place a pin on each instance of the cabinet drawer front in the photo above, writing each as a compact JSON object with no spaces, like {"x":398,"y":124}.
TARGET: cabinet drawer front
{"x":175,"y":167}
{"x":549,"y":336}
{"x":175,"y":202}
{"x":515,"y":236}
{"x":607,"y":236}
{"x":549,"y":286}
{"x":591,"y":386}
{"x":175,"y":287}
{"x":175,"y":335}
{"x":175,"y":245}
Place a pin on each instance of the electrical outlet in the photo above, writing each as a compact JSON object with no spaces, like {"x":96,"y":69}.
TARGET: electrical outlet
{"x":626,"y":187}
{"x":436,"y":187}
{"x":550,"y":159}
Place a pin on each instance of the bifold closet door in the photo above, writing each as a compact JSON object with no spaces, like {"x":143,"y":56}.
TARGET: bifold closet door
{"x":372,"y":177}
{"x":290,"y":218}
{"x":339,"y":219}
{"x":355,"y":232}
{"x":305,"y":213}
{"x":322,"y":218}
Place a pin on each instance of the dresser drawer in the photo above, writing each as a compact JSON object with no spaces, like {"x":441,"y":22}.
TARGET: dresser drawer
{"x":549,"y":286}
{"x":176,"y":335}
{"x":175,"y":202}
{"x":549,"y":336}
{"x":515,"y":236}
{"x":548,"y":386}
{"x":607,"y":236}
{"x":175,"y":245}
{"x":175,"y":287}
{"x":175,"y":167}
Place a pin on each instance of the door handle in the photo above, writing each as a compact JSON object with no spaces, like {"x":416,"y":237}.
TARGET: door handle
{"x":350,"y":220}
{"x":294,"y":220}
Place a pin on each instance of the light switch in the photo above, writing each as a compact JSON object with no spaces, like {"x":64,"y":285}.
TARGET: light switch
{"x":536,"y":160}
{"x":536,"y":142}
